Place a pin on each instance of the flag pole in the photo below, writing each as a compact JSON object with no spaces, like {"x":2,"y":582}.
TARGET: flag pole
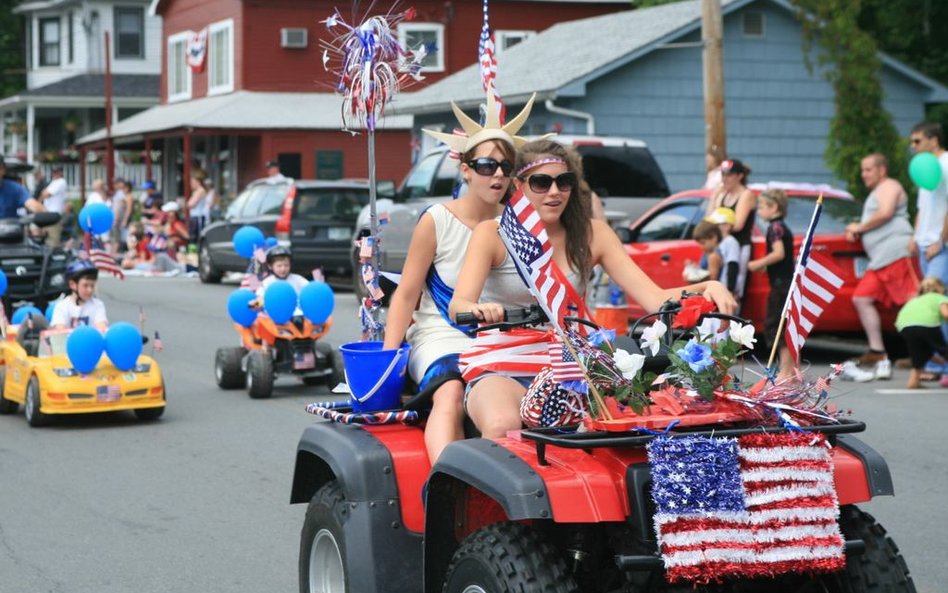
{"x":804,"y":251}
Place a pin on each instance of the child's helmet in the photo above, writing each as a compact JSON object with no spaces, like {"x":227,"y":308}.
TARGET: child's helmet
{"x":278,"y":251}
{"x":81,"y":268}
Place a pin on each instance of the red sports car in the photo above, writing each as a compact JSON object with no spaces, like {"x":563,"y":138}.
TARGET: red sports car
{"x":661,"y":243}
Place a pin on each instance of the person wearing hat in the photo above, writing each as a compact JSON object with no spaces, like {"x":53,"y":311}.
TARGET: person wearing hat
{"x":434,"y":260}
{"x":734,"y":194}
{"x":279,"y":264}
{"x":730,"y":251}
{"x":174,"y":228}
{"x":14,"y":196}
{"x":273,"y":172}
{"x":151,"y":202}
{"x":81,"y":306}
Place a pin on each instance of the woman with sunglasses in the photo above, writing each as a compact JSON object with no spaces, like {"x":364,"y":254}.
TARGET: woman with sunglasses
{"x":434,"y":259}
{"x":548,"y":174}
{"x":734,"y":194}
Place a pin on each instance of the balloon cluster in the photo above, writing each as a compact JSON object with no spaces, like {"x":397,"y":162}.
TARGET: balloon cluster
{"x":248,"y":239}
{"x":925,"y":170}
{"x":280,"y":301}
{"x":96,"y":218}
{"x":122,"y":343}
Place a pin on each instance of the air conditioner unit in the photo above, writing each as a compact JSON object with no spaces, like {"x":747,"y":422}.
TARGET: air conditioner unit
{"x":294,"y":38}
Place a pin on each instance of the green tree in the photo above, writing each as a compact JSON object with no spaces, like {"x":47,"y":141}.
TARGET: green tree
{"x":12,"y":61}
{"x":848,"y":57}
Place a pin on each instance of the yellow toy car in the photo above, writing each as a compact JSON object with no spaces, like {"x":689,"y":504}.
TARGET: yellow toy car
{"x":35,"y":372}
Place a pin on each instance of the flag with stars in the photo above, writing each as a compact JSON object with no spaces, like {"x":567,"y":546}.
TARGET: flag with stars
{"x":756,"y":506}
{"x":487,"y":60}
{"x":564,"y":365}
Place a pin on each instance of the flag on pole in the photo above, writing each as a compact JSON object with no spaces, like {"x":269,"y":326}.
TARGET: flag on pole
{"x":815,"y":283}
{"x":564,"y":365}
{"x":103,"y":260}
{"x":526,"y":240}
{"x":487,"y":59}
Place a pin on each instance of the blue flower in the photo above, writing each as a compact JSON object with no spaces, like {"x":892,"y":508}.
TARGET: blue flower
{"x":698,"y":356}
{"x":602,"y":335}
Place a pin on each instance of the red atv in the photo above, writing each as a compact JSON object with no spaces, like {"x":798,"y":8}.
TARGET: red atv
{"x":549,"y":511}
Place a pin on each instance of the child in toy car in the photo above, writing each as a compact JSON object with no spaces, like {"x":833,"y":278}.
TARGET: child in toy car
{"x":81,"y":306}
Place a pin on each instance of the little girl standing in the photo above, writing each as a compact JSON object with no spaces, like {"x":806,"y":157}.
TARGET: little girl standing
{"x":919,"y":321}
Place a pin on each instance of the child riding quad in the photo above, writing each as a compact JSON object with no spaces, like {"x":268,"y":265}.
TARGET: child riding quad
{"x":541,"y":510}
{"x":269,"y":348}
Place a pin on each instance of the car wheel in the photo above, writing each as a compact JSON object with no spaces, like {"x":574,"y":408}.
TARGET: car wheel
{"x":206,"y":270}
{"x":227,"y":368}
{"x":6,"y":406}
{"x":322,"y":542}
{"x":259,"y":375}
{"x":507,"y":557}
{"x":34,"y":417}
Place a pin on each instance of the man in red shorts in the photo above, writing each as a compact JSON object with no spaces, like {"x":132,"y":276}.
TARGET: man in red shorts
{"x":891,"y":279}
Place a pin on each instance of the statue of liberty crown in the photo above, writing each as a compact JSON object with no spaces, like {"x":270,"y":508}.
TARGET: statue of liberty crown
{"x":474,"y":133}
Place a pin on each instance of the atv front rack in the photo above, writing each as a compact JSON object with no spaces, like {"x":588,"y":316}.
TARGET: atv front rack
{"x":560,"y":437}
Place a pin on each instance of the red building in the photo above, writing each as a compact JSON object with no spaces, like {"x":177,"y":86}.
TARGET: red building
{"x":262,"y":93}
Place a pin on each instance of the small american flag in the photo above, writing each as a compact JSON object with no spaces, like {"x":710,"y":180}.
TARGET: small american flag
{"x":761,"y":505}
{"x":158,"y":242}
{"x":815,"y":284}
{"x":157,"y":345}
{"x":103,"y":260}
{"x":515,"y":353}
{"x":526,"y":240}
{"x":487,"y":59}
{"x":564,"y":365}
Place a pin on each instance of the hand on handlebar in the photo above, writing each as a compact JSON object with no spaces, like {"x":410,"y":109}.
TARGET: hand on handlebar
{"x":488,"y":312}
{"x":718,"y":294}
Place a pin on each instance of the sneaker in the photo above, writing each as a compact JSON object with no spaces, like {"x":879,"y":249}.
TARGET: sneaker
{"x":883,"y":369}
{"x":852,"y":372}
{"x":869,"y":358}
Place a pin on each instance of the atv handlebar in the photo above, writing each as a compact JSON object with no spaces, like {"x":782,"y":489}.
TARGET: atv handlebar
{"x":513,"y":317}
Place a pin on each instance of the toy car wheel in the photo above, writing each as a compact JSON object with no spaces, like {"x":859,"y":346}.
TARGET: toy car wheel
{"x":34,"y":417}
{"x":322,"y":542}
{"x":149,"y":414}
{"x":880,"y":567}
{"x":259,"y":375}
{"x":507,"y":557}
{"x":6,"y":406}
{"x":338,"y":374}
{"x":227,"y":368}
{"x":206,"y":270}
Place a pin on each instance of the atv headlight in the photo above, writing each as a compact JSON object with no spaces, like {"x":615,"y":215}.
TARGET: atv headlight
{"x":141,"y":368}
{"x":57,"y":280}
{"x":66,"y":372}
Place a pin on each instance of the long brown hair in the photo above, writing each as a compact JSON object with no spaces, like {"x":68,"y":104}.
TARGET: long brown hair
{"x":577,"y":216}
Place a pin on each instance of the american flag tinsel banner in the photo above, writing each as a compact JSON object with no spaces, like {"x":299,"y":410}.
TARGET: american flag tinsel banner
{"x":564,"y":365}
{"x":758,"y":506}
{"x":526,"y":240}
{"x":487,"y":58}
{"x":102,"y":260}
{"x":515,"y":353}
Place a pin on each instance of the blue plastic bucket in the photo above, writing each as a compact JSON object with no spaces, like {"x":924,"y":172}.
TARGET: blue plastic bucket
{"x":375,"y":376}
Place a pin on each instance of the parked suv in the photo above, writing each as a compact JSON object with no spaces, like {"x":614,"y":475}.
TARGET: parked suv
{"x":314,"y":219}
{"x":621,"y":170}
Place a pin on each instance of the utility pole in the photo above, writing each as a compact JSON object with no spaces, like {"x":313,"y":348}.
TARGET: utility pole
{"x":715,"y":129}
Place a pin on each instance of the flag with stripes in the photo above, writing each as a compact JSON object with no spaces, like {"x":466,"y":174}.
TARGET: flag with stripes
{"x":526,"y":240}
{"x":158,"y":242}
{"x":758,"y":506}
{"x":563,"y":363}
{"x":103,"y":260}
{"x":816,"y":281}
{"x":517,"y":353}
{"x":487,"y":59}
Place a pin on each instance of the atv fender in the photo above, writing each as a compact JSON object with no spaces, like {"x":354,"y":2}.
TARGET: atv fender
{"x":878,"y":480}
{"x":375,"y":535}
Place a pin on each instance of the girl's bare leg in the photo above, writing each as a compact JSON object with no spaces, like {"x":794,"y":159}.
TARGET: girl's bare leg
{"x":494,"y":405}
{"x":445,"y":423}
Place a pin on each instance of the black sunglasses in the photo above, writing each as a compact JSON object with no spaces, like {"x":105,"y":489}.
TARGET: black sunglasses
{"x":541,"y":182}
{"x":487,"y":166}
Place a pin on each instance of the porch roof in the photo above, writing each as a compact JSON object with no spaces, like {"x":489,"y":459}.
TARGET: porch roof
{"x":241,"y":110}
{"x":84,"y":90}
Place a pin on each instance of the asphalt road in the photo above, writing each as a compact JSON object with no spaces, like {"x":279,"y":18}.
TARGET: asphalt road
{"x":198,"y":501}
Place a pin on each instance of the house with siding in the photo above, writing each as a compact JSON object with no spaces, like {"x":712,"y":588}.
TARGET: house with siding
{"x":641,"y":77}
{"x":65,"y":75}
{"x":263,"y":93}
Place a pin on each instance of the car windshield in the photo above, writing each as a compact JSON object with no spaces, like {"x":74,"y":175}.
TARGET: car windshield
{"x":418,"y":182}
{"x":330,"y":203}
{"x":622,"y":171}
{"x":53,"y":342}
{"x":833,"y":220}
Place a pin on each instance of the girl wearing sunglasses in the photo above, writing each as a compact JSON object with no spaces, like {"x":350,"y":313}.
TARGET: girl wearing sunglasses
{"x":549,"y":175}
{"x":418,"y":310}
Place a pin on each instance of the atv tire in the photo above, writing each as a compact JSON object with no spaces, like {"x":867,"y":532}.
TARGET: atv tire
{"x":6,"y":406}
{"x":206,"y":270}
{"x":34,"y":417}
{"x":259,"y":375}
{"x":322,"y":542}
{"x":227,"y":368}
{"x":880,"y":568}
{"x":507,"y":557}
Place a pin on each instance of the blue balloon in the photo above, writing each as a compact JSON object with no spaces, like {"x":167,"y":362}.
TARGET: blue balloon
{"x":50,"y":308}
{"x":84,"y":347}
{"x":238,"y":307}
{"x":3,"y":283}
{"x":96,"y":218}
{"x":317,"y":302}
{"x":123,"y":345}
{"x":271,"y":242}
{"x":279,"y":301}
{"x":20,"y":315}
{"x":246,"y":239}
